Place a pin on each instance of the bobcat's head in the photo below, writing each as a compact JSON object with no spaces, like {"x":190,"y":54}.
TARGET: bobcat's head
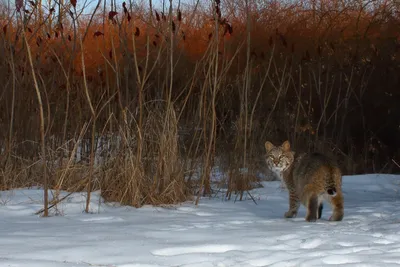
{"x":279,"y":158}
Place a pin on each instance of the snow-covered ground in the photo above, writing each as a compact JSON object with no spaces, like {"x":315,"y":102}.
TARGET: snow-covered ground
{"x":216,"y":233}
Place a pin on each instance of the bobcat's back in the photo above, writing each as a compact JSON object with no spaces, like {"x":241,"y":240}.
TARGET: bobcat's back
{"x":318,"y":171}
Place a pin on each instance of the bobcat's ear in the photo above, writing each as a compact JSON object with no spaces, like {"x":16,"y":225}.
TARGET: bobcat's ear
{"x":286,"y":146}
{"x":268,"y":146}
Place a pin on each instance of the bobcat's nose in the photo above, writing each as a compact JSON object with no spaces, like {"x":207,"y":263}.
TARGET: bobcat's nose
{"x":276,"y":162}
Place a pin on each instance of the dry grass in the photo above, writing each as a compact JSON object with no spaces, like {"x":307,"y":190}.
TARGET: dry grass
{"x":156,"y":179}
{"x":138,"y":105}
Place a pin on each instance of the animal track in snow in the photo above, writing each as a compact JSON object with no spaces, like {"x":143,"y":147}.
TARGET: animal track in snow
{"x":102,"y":219}
{"x":174,"y":251}
{"x":287,"y":237}
{"x":204,"y":214}
{"x":311,"y":243}
{"x":277,"y":257}
{"x":346,"y":244}
{"x":194,"y":211}
{"x":383,"y":241}
{"x":335,"y":260}
{"x":137,"y":265}
{"x":185,"y":209}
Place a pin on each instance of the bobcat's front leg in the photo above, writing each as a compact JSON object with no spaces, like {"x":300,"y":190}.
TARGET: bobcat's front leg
{"x":294,"y":204}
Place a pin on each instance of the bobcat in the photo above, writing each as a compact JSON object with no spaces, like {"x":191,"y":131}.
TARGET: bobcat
{"x":309,"y":178}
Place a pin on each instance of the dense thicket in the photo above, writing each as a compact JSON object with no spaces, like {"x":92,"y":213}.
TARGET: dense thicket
{"x":140,"y":100}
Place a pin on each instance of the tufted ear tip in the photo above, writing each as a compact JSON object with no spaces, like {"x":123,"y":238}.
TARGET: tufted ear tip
{"x":286,"y":146}
{"x":268,"y":146}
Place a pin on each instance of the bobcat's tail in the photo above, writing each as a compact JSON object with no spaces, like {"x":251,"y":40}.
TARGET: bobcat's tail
{"x":334,"y":181}
{"x":331,"y":191}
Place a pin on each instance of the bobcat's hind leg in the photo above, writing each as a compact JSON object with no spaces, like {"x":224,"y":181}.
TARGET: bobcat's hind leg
{"x":337,"y":207}
{"x":311,"y":201}
{"x":312,"y":209}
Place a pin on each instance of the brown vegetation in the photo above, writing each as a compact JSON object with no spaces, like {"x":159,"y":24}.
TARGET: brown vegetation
{"x":141,"y":102}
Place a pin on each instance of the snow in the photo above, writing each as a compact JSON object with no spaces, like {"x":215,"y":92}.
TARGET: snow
{"x":216,"y":233}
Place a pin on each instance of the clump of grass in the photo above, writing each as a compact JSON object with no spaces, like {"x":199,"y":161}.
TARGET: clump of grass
{"x":156,"y":178}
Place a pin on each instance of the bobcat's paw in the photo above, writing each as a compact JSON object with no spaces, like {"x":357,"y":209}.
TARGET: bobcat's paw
{"x":310,"y":218}
{"x":336,"y":217}
{"x":290,"y":214}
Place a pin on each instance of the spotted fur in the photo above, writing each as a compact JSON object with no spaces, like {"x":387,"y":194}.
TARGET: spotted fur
{"x":310,"y":178}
